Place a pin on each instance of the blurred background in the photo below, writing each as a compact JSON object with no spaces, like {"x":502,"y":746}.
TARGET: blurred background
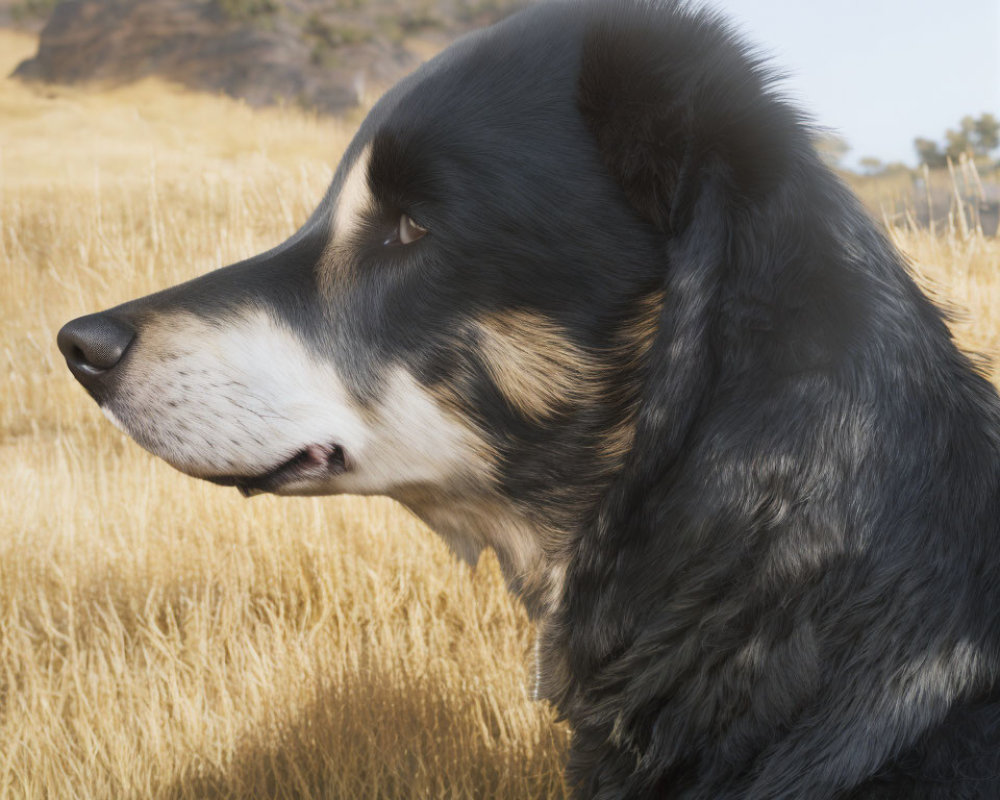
{"x":894,"y":85}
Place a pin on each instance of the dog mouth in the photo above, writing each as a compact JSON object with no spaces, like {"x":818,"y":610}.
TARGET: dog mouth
{"x":315,"y":462}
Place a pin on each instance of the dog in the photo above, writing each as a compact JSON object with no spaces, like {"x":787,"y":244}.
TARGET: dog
{"x":583,"y":292}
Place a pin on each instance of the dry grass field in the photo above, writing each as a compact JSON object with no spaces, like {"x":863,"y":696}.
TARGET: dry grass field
{"x":162,"y":637}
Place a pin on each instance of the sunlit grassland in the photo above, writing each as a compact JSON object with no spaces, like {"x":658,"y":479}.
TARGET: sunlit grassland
{"x":161,"y":637}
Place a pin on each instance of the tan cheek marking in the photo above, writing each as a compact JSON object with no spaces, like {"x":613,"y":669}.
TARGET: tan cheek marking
{"x":540,"y":371}
{"x":533,"y":363}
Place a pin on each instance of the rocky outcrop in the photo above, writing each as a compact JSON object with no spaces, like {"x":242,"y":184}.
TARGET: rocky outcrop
{"x":315,"y":53}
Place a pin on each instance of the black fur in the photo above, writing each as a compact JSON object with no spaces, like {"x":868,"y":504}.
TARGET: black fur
{"x":788,"y":587}
{"x":792,"y":588}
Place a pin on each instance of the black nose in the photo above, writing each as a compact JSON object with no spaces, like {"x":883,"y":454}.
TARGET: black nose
{"x":93,"y":345}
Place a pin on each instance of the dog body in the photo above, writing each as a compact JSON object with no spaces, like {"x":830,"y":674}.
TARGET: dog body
{"x":581,"y":291}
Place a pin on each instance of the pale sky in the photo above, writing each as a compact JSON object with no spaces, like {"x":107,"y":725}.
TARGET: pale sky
{"x":880,"y":72}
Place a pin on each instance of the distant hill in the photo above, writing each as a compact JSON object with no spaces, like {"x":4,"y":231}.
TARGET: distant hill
{"x":323,"y":54}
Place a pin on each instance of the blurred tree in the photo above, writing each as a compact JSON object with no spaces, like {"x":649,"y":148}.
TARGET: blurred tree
{"x":987,"y":129}
{"x":871,"y":165}
{"x":929,"y":153}
{"x":975,"y":136}
{"x":961,"y":140}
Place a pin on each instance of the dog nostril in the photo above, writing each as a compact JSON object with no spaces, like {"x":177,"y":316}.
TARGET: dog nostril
{"x":94,"y":344}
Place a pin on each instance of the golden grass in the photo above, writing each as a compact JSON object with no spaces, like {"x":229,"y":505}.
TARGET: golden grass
{"x":161,"y":637}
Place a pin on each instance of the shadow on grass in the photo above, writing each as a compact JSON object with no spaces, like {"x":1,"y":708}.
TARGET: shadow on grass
{"x":384,"y":736}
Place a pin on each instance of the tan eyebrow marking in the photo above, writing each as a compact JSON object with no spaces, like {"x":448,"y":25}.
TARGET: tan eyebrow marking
{"x":353,"y":201}
{"x":354,"y":198}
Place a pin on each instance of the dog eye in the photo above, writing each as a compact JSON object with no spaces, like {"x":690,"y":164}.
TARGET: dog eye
{"x":407,"y":231}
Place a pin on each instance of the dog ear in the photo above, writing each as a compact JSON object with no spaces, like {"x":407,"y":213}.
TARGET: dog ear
{"x":662,"y":112}
{"x":695,"y":143}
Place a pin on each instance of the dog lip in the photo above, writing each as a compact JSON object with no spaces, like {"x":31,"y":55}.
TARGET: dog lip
{"x":313,"y":461}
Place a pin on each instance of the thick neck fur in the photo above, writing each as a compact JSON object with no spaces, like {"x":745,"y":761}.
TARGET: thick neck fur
{"x":764,"y":577}
{"x":532,"y":563}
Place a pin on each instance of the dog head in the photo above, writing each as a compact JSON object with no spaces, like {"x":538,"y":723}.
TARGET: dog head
{"x":500,"y":302}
